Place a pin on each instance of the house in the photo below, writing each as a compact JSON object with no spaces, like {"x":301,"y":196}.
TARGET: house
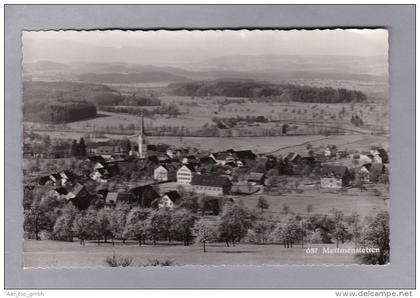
{"x":77,"y":194}
{"x":206,"y":161}
{"x":56,"y":179}
{"x":334,"y":176}
{"x":27,"y":151}
{"x":256,"y":178}
{"x":109,"y":151}
{"x":67,"y":176}
{"x":380,"y":155}
{"x":102,"y":175}
{"x":363,"y":173}
{"x":97,"y":159}
{"x":165,"y":173}
{"x":245,"y":155}
{"x":292,"y":157}
{"x":45,"y":180}
{"x":211,"y":184}
{"x":190,"y":159}
{"x":375,"y":171}
{"x":221,"y":158}
{"x":112,"y":198}
{"x":185,"y":174}
{"x":144,"y":195}
{"x":169,"y":200}
{"x":102,"y":190}
{"x":384,"y":155}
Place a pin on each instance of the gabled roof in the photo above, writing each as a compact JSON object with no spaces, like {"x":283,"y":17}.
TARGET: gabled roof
{"x":245,"y":154}
{"x":56,"y":176}
{"x":44,"y":179}
{"x":207,"y":160}
{"x":188,"y":166}
{"x":151,"y":148}
{"x":173,"y":195}
{"x":167,"y":167}
{"x":113,"y":197}
{"x":67,"y":174}
{"x":337,"y":171}
{"x":138,"y":190}
{"x":77,"y":189}
{"x":292,"y":156}
{"x":222,"y":155}
{"x":97,"y":158}
{"x":210,"y":180}
{"x":61,"y":190}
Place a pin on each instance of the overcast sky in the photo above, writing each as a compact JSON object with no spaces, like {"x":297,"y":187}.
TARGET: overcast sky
{"x":179,"y":47}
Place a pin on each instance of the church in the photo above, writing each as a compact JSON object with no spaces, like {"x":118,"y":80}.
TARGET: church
{"x":142,"y":142}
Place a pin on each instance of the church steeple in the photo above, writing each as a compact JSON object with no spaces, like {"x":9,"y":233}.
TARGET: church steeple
{"x":142,"y":140}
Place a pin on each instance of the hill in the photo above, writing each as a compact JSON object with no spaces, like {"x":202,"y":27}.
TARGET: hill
{"x":132,"y":78}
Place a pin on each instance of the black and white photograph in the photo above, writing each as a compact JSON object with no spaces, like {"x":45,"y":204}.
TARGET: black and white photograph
{"x":205,"y":147}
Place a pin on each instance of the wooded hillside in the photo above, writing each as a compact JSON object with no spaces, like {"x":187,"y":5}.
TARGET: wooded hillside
{"x":253,"y":89}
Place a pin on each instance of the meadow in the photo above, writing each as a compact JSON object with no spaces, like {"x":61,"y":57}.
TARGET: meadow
{"x":46,"y":253}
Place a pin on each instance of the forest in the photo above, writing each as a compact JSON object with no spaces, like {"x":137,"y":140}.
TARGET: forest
{"x":62,"y":102}
{"x":253,"y":89}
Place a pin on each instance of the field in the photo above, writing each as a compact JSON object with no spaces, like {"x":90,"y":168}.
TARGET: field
{"x":197,"y":112}
{"x":322,"y":202}
{"x":72,"y":254}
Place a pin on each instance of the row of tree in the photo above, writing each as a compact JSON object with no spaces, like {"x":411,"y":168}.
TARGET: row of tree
{"x":253,"y":89}
{"x":54,"y":219}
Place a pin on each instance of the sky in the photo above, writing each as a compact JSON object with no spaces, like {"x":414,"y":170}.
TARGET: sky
{"x":172,"y":48}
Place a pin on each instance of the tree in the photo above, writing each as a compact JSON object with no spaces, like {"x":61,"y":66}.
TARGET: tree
{"x":285,"y":209}
{"x":158,"y":224}
{"x":288,"y":231}
{"x":103,"y":224}
{"x":35,"y":221}
{"x":234,"y":224}
{"x":262,"y":204}
{"x":205,"y":232}
{"x":82,"y":147}
{"x":74,"y":148}
{"x":118,"y":221}
{"x":355,"y":229}
{"x":81,"y":226}
{"x":183,"y":222}
{"x":262,"y":230}
{"x":63,"y":225}
{"x":136,"y":225}
{"x":272,"y":181}
{"x":339,"y":227}
{"x":376,"y":235}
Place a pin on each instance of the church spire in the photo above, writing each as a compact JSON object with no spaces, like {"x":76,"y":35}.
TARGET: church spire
{"x":142,"y":130}
{"x":142,"y":140}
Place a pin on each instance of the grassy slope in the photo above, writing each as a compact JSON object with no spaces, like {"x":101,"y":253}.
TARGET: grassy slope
{"x":71,"y":254}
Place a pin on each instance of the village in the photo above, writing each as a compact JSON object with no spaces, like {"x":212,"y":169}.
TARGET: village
{"x":175,"y":171}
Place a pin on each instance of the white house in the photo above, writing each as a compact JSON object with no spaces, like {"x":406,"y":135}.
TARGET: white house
{"x":164,"y":173}
{"x":169,"y":199}
{"x":185,"y":174}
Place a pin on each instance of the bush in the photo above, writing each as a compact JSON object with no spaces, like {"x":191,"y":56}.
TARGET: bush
{"x":157,"y":262}
{"x":115,"y":261}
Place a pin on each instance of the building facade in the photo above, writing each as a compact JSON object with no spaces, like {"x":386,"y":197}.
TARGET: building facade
{"x":211,"y":185}
{"x":164,"y":173}
{"x":185,"y":175}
